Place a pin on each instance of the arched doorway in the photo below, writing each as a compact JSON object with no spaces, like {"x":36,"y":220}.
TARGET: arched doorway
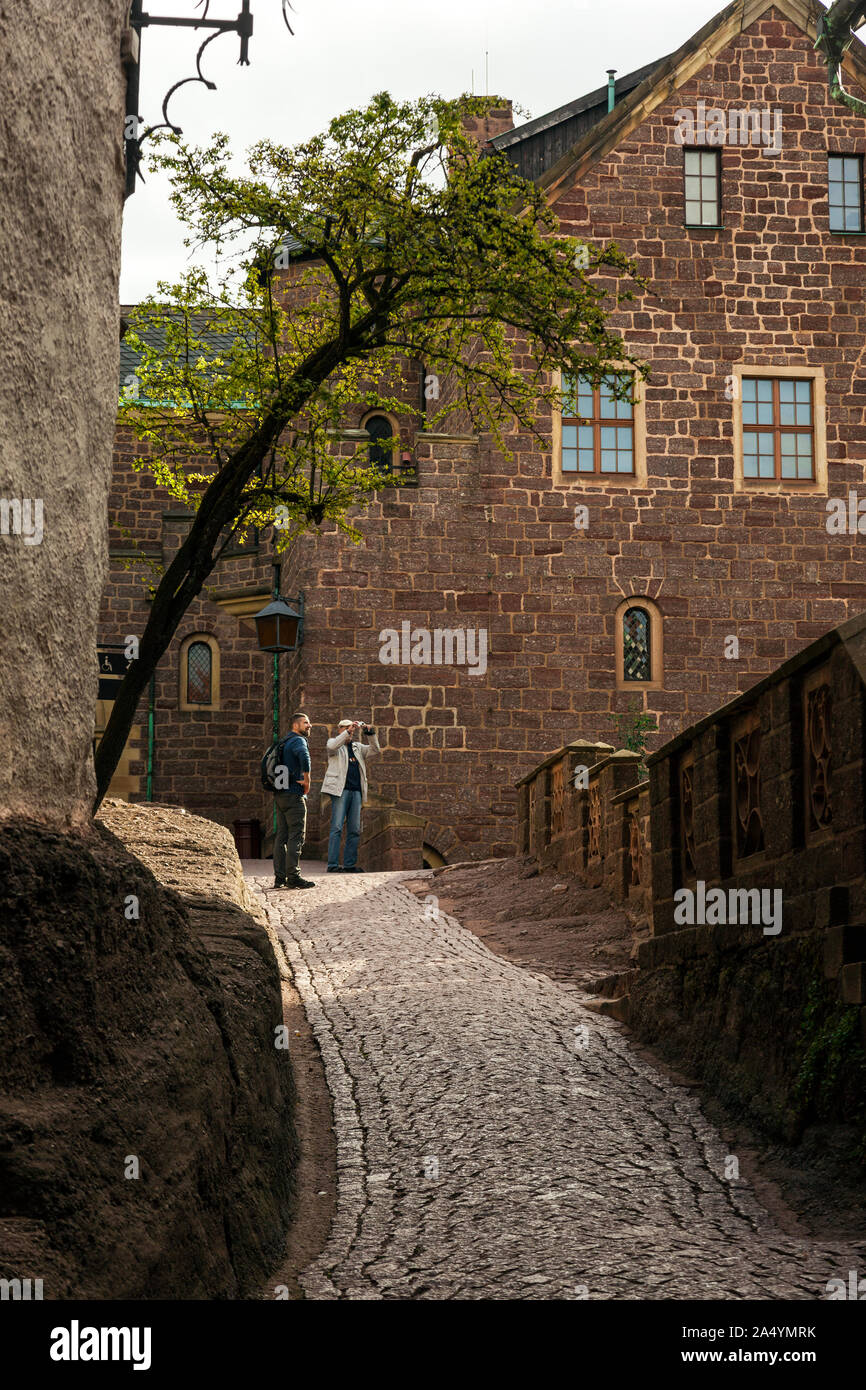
{"x":432,"y":858}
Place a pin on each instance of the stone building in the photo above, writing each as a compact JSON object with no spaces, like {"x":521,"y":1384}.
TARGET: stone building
{"x":664,"y":555}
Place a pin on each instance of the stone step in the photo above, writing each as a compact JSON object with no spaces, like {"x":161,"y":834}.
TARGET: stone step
{"x":611,"y":1008}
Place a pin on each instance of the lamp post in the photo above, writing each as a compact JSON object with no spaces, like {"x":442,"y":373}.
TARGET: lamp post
{"x":279,"y":628}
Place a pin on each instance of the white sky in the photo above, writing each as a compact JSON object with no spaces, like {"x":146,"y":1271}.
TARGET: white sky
{"x":542,"y":53}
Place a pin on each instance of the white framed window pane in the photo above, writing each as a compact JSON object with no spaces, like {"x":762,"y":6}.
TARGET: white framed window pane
{"x":765,"y":412}
{"x":608,"y":404}
{"x":789,"y":467}
{"x":569,"y":460}
{"x":766,"y":467}
{"x":750,"y":413}
{"x":787,"y":413}
{"x":765,"y":389}
{"x":750,"y":466}
{"x":852,"y":219}
{"x":608,"y":438}
{"x":608,"y":460}
{"x":586,"y":463}
{"x":693,"y":212}
{"x":749,"y":386}
{"x":584,"y":436}
{"x":786,"y":390}
{"x":693,"y":162}
{"x":804,"y":391}
{"x":709,"y":162}
{"x":569,"y":436}
{"x":789,"y":444}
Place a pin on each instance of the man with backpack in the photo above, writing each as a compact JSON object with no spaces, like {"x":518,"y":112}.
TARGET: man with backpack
{"x":286,"y":772}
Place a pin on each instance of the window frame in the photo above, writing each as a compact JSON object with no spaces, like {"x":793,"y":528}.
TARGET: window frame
{"x":847,"y":231}
{"x":716,"y":152}
{"x":792,"y":486}
{"x":184,"y":704}
{"x":574,"y":478}
{"x":777,"y":429}
{"x":392,"y":470}
{"x":656,"y":644}
{"x":597,"y":422}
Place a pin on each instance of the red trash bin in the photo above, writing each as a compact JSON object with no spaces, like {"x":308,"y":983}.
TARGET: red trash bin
{"x":248,"y":839}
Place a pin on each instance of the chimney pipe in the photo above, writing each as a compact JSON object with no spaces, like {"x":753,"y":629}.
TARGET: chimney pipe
{"x":611,"y":88}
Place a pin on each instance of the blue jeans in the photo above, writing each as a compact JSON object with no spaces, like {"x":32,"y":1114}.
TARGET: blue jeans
{"x":346,"y":807}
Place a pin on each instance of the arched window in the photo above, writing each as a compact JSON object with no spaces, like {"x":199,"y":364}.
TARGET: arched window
{"x":638,"y":645}
{"x":199,"y":673}
{"x":636,"y":649}
{"x":379,"y":428}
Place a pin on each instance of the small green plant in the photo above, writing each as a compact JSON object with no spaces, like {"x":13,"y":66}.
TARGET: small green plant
{"x":831,"y":1055}
{"x":632,"y":729}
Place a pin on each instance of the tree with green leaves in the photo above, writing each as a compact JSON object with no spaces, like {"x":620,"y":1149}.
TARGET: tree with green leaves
{"x":401,"y":242}
{"x":835,"y":35}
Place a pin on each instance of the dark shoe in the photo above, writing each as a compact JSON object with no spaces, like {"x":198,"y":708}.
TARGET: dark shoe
{"x":300,"y":883}
{"x":335,"y":870}
{"x":279,"y":883}
{"x":355,"y":869}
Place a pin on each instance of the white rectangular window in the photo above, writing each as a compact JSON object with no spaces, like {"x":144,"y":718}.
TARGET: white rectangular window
{"x":703,"y":192}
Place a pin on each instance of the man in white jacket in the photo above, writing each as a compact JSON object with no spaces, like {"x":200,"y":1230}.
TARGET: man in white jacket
{"x":346,"y":784}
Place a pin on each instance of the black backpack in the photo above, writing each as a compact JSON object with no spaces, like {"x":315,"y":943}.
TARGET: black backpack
{"x":270,"y":762}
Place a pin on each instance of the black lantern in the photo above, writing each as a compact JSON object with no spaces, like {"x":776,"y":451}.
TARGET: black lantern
{"x":279,"y":627}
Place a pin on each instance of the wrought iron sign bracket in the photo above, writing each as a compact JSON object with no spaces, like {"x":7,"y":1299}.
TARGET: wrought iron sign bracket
{"x":138,"y":20}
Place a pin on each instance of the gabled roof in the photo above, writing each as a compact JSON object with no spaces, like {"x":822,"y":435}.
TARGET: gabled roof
{"x":661,"y":81}
{"x":538,"y":144}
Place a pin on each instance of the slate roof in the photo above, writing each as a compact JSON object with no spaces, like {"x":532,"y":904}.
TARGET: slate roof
{"x":215,"y":344}
{"x":538,"y":144}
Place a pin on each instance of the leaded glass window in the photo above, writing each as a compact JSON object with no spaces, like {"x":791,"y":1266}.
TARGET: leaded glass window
{"x":199,"y":674}
{"x":597,"y":428}
{"x":636,"y":659}
{"x":845,"y":186}
{"x":778,"y":429}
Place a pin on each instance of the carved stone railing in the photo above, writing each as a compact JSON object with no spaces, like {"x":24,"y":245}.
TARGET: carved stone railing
{"x":583,"y":811}
{"x":769,"y":792}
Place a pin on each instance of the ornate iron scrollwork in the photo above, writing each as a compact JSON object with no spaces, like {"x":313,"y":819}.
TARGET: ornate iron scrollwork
{"x":138,"y":20}
{"x":818,"y":723}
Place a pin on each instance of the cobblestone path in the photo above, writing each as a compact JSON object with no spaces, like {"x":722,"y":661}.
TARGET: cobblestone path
{"x":497,"y":1140}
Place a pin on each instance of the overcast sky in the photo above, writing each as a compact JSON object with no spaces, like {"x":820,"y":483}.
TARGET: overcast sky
{"x":540,"y":53}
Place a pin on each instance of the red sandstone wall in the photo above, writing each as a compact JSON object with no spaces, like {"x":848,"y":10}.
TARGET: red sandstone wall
{"x":487,"y":541}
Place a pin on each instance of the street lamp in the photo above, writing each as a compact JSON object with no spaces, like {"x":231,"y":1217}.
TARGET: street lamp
{"x":279,"y":627}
